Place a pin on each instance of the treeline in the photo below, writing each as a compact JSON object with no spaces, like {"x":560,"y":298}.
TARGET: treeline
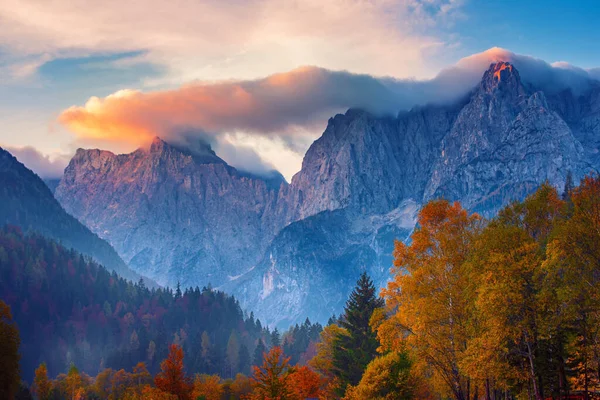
{"x":508,"y":308}
{"x":72,"y":311}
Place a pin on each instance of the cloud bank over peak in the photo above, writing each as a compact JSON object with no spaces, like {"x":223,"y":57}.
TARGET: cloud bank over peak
{"x":291,"y":107}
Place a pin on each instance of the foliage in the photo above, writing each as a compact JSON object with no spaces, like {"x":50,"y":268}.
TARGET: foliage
{"x":71,"y":310}
{"x":429,"y":307}
{"x":42,"y":384}
{"x":172,"y":378}
{"x":207,"y":387}
{"x":387,"y":377}
{"x":270,"y":381}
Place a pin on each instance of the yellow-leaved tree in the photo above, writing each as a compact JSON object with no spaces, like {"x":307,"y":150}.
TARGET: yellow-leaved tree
{"x":572,"y":269}
{"x":428,"y":307}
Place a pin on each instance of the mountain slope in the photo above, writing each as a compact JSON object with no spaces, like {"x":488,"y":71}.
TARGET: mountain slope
{"x":172,"y":214}
{"x":70,"y":310}
{"x":496,"y":146}
{"x":27,"y":202}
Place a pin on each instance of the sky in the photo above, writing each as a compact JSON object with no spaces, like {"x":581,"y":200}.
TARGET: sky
{"x":258,"y":79}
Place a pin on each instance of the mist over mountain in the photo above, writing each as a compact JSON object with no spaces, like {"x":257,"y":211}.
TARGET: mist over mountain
{"x":292,"y":251}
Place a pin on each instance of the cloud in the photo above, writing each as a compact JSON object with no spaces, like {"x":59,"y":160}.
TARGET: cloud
{"x":216,"y":39}
{"x":289,"y":108}
{"x":45,"y":166}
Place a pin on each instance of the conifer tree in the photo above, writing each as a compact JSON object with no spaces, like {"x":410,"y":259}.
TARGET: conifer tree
{"x":9,"y":354}
{"x":259,"y":351}
{"x":275,"y":338}
{"x":354,"y":351}
{"x":244,"y":359}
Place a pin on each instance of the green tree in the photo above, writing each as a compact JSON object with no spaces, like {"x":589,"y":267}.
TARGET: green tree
{"x":354,"y":351}
{"x":259,"y":352}
{"x":9,"y":354}
{"x":275,"y":338}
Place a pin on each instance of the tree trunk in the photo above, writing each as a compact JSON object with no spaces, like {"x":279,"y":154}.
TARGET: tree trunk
{"x":536,"y":392}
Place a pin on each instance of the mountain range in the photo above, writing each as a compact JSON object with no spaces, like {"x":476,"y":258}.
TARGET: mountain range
{"x":291,"y":251}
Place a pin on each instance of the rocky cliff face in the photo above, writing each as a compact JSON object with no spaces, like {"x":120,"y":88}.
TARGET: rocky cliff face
{"x":171,"y":214}
{"x":505,"y":141}
{"x":296,"y":251}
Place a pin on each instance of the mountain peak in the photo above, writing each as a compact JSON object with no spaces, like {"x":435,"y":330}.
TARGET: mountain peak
{"x":157,"y":145}
{"x":501,"y":70}
{"x":502,"y":76}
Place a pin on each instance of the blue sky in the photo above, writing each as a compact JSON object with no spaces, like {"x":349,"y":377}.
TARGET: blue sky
{"x":59,"y":55}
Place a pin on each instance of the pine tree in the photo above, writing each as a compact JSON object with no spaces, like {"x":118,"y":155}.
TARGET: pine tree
{"x":9,"y":354}
{"x":354,"y":351}
{"x":259,"y":352}
{"x":275,"y":338}
{"x":244,"y":359}
{"x":569,"y":186}
{"x":178,"y":291}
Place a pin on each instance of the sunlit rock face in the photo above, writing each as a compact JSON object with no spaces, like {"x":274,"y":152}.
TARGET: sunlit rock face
{"x":292,"y":251}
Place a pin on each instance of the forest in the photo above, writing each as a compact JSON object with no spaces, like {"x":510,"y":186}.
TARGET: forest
{"x":506,"y":308}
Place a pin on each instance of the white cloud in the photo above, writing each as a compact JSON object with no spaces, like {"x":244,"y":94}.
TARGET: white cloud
{"x":45,"y":166}
{"x":277,"y":116}
{"x":217,"y":39}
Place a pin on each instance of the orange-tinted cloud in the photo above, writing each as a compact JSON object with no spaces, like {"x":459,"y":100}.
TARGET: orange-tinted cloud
{"x":273,"y":105}
{"x":287,"y":105}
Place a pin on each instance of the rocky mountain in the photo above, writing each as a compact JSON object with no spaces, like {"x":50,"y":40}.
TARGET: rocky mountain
{"x":171,"y":213}
{"x":27,"y":202}
{"x":292,"y":251}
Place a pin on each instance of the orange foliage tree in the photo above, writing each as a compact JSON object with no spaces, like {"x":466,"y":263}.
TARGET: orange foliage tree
{"x":172,"y":378}
{"x":305,"y":383}
{"x":42,"y":385}
{"x":270,"y":381}
{"x":207,"y":387}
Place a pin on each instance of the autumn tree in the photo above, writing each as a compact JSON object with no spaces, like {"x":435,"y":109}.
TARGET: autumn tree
{"x":387,"y":377}
{"x":572,"y":270}
{"x":9,"y":353}
{"x":429,"y":310}
{"x":504,"y":270}
{"x":353,"y":351}
{"x":240,"y":387}
{"x":73,"y":383}
{"x":152,"y":393}
{"x":305,"y":383}
{"x":207,"y":387}
{"x":172,"y":378}
{"x":42,"y":384}
{"x":270,"y":381}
